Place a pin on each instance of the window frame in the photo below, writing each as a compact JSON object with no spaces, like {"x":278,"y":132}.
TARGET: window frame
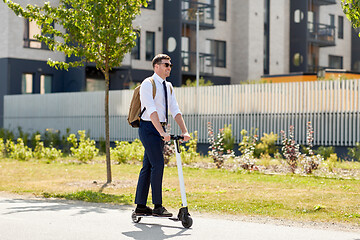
{"x":338,"y":57}
{"x":43,"y":83}
{"x":25,"y":87}
{"x":135,"y":51}
{"x":340,"y":31}
{"x":152,"y":52}
{"x":28,"y":40}
{"x":219,"y":62}
{"x":223,"y":10}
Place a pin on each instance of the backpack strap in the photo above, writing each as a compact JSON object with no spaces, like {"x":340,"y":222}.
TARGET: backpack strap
{"x":154,"y":93}
{"x":154,"y":86}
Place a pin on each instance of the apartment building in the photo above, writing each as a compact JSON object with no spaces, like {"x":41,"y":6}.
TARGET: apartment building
{"x":239,"y":40}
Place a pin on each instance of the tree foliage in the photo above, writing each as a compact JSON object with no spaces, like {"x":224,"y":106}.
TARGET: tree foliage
{"x":98,"y":31}
{"x":351,"y":9}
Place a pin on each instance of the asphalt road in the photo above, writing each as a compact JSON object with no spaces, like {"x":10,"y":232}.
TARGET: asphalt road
{"x":23,"y":219}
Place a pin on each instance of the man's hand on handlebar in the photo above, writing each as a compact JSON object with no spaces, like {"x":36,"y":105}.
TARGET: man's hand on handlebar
{"x":165,"y":136}
{"x":186,"y":136}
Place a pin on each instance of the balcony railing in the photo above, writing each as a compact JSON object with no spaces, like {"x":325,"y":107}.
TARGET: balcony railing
{"x":206,"y":63}
{"x":324,"y":2}
{"x":321,"y":35}
{"x":206,"y":13}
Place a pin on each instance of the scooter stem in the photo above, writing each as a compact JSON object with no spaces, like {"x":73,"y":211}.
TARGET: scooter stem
{"x":180,"y":173}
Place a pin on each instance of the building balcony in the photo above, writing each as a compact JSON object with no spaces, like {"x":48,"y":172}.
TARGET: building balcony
{"x":321,"y":35}
{"x":206,"y":13}
{"x":324,"y":2}
{"x":206,"y":63}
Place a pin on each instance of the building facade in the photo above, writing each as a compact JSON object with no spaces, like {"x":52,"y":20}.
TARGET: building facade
{"x":239,"y":40}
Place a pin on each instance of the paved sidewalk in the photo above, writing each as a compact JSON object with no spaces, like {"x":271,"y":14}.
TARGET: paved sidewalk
{"x":23,"y":219}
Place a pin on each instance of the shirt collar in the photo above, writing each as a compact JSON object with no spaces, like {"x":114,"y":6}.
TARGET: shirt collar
{"x":158,"y":78}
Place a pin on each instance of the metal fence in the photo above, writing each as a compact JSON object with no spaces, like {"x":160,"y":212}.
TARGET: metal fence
{"x":333,"y":107}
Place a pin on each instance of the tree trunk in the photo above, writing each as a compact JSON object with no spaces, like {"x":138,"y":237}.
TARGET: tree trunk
{"x":107,"y":130}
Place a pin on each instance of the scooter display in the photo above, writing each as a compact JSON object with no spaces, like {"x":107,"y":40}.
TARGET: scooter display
{"x":183,"y":214}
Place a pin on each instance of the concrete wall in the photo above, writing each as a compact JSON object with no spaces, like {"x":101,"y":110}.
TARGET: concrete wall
{"x":149,"y":20}
{"x":12,"y":38}
{"x":240,"y":38}
{"x":343,"y":46}
{"x":279,"y":36}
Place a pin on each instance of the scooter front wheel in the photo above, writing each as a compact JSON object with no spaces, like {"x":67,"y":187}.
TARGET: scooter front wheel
{"x":187,"y":222}
{"x":135,"y":218}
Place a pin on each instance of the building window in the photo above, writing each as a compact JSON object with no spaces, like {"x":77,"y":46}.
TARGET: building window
{"x":332,"y":20}
{"x":95,"y":84}
{"x":222,"y":10}
{"x":135,"y":52}
{"x":266,"y":58}
{"x":31,"y":29}
{"x":341,"y":27}
{"x":45,"y":84}
{"x":27,"y":83}
{"x":335,"y":62}
{"x":151,"y":4}
{"x":218,"y":49}
{"x":150,"y":46}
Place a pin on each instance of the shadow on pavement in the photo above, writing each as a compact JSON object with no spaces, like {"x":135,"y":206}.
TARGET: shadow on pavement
{"x":154,"y":232}
{"x":57,"y":205}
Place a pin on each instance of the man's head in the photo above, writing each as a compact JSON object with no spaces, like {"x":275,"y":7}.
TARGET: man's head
{"x":162,"y":65}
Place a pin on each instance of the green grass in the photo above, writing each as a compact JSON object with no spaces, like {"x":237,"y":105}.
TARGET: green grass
{"x":218,"y":191}
{"x":90,"y":196}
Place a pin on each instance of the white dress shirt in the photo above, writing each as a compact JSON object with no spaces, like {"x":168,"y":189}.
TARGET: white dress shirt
{"x":157,"y":104}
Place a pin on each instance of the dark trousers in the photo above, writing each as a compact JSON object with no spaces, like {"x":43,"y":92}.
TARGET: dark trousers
{"x":153,"y":165}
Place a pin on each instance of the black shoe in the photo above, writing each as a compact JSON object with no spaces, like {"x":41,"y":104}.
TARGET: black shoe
{"x":161,"y":212}
{"x":143,"y":211}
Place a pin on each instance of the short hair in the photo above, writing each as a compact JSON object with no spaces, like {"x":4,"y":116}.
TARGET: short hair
{"x":157,"y":59}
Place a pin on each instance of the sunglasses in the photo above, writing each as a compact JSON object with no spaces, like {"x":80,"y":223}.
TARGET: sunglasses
{"x":167,"y":64}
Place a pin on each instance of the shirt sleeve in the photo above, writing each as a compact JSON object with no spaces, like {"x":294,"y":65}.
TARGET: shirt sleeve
{"x":173,"y":104}
{"x":146,"y":96}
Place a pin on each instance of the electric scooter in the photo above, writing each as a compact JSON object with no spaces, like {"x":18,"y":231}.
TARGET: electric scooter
{"x":183,"y":214}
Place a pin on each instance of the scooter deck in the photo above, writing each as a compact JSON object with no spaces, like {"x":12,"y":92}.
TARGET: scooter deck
{"x":154,"y":216}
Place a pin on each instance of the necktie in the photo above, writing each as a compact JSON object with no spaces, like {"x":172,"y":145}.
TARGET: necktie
{"x":166,"y":102}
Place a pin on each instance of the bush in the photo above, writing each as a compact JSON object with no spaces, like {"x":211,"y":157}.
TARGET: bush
{"x":267,"y":145}
{"x":354,"y":152}
{"x":23,"y":136}
{"x":310,"y":161}
{"x":52,"y":138}
{"x":331,"y":162}
{"x":217,"y":151}
{"x":6,"y":134}
{"x":202,"y":82}
{"x":85,"y":149}
{"x":290,"y":149}
{"x":40,"y":151}
{"x":189,"y":154}
{"x":247,"y":148}
{"x":18,"y":151}
{"x":125,"y":151}
{"x":325,"y":152}
{"x":2,"y":148}
{"x":228,"y":138}
{"x":247,"y":141}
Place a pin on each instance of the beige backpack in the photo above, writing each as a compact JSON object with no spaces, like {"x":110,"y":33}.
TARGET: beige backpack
{"x":135,"y":106}
{"x":135,"y":112}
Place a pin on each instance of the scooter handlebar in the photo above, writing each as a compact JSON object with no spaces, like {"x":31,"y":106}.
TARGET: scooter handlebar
{"x":176,"y":137}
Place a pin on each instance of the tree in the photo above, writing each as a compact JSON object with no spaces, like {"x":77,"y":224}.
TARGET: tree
{"x":98,"y":31}
{"x":351,"y":9}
